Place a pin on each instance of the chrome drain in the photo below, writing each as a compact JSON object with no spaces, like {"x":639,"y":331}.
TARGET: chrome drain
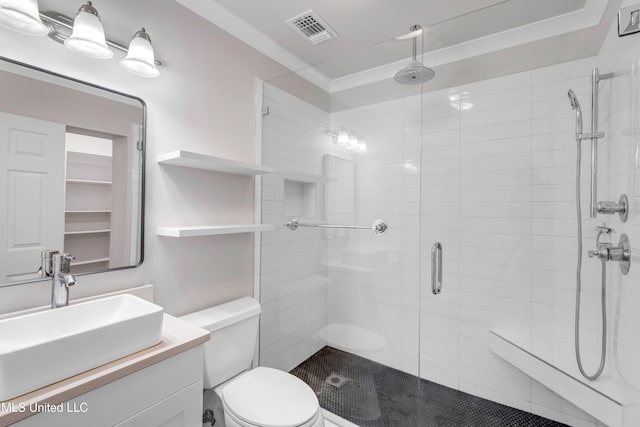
{"x":336,"y":380}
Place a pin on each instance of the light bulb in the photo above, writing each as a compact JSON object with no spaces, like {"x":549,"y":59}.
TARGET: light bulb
{"x":353,"y":141}
{"x":22,"y":16}
{"x":343,"y":136}
{"x":87,"y":37}
{"x":140,"y":58}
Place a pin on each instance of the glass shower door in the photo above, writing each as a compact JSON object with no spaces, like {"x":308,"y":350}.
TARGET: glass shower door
{"x":341,"y":304}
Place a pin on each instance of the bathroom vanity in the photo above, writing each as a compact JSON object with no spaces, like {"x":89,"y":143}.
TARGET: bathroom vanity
{"x":161,"y":385}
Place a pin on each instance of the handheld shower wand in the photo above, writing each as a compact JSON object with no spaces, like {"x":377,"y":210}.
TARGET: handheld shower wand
{"x":575,"y":105}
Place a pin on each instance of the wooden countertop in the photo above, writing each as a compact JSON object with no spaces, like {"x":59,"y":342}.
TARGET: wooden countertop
{"x":177,"y":336}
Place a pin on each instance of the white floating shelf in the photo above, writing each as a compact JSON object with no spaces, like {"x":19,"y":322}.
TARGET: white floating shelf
{"x":86,"y":159}
{"x":75,"y":233}
{"x":87,"y":211}
{"x":306,"y":178}
{"x":189,"y":159}
{"x":554,"y":366}
{"x":89,"y":261}
{"x":211,"y":230}
{"x":88,"y":181}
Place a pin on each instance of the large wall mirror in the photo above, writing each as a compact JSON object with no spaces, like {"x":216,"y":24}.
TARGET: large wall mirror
{"x":71,"y":174}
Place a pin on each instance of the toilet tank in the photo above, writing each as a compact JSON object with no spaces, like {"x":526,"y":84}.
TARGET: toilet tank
{"x":234,"y":332}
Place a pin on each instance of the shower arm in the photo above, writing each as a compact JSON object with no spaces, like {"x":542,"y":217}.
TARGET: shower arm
{"x":414,"y":28}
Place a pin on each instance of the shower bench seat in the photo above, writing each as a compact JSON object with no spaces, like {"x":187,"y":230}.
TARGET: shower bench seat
{"x":609,"y":401}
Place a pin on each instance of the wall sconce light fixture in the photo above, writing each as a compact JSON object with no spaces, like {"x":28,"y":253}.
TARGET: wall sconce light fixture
{"x":88,"y":37}
{"x":343,"y":136}
{"x":22,"y":16}
{"x":83,"y":35}
{"x":460,"y":101}
{"x":348,"y":140}
{"x":353,"y":141}
{"x":140,"y":58}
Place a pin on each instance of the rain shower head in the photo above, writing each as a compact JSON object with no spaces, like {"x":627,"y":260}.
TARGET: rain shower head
{"x":415,"y":73}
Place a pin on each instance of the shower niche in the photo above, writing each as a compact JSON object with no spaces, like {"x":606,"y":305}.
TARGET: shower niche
{"x":300,"y":198}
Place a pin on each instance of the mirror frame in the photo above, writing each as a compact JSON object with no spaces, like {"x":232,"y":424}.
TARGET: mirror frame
{"x":143,"y":154}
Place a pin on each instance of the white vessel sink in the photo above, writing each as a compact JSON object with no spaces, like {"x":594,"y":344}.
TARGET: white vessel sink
{"x":42,"y":348}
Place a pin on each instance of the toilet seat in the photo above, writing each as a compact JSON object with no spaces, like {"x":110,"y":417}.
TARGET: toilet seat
{"x":268,"y":397}
{"x":314,"y":422}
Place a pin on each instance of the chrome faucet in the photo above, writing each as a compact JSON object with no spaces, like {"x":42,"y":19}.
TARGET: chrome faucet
{"x":61,"y":280}
{"x":607,"y":252}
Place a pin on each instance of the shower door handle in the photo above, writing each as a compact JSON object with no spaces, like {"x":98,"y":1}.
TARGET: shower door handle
{"x":436,"y":268}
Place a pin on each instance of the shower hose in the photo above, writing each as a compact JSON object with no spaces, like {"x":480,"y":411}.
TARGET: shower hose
{"x":603,"y":280}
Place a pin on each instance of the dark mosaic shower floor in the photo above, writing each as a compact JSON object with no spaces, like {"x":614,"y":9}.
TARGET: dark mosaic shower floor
{"x":375,"y":395}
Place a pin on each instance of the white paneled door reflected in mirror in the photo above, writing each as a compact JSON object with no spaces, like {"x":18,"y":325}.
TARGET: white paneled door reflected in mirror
{"x":71,"y":173}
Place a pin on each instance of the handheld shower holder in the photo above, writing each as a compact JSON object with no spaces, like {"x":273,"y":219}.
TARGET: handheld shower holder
{"x":588,"y":135}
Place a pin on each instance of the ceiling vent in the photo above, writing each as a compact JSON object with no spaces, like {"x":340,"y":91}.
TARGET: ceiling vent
{"x":312,"y":27}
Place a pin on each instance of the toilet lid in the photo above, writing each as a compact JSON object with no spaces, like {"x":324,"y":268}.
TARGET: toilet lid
{"x":270,"y":398}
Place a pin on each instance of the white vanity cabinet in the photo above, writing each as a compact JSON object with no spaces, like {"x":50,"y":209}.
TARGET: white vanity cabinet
{"x":167,"y":393}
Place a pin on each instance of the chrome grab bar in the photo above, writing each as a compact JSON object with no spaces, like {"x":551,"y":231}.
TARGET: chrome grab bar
{"x":379,"y":226}
{"x":436,"y":268}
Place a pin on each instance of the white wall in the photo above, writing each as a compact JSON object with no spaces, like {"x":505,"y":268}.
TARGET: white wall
{"x":43,"y":100}
{"x":203,"y":101}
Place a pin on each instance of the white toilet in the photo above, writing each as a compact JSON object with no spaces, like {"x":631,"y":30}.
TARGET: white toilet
{"x":262,"y":397}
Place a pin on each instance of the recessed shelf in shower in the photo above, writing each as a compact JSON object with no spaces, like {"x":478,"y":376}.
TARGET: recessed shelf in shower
{"x":299,"y":198}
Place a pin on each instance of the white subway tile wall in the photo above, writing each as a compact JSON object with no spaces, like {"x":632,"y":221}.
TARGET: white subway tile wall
{"x":488,"y":170}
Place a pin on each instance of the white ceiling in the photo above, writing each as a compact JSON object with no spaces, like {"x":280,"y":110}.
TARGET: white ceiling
{"x":366,"y":26}
{"x":530,"y":33}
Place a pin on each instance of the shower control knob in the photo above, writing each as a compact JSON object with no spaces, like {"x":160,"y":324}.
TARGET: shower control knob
{"x":621,"y":208}
{"x":611,"y":207}
{"x":620,"y":253}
